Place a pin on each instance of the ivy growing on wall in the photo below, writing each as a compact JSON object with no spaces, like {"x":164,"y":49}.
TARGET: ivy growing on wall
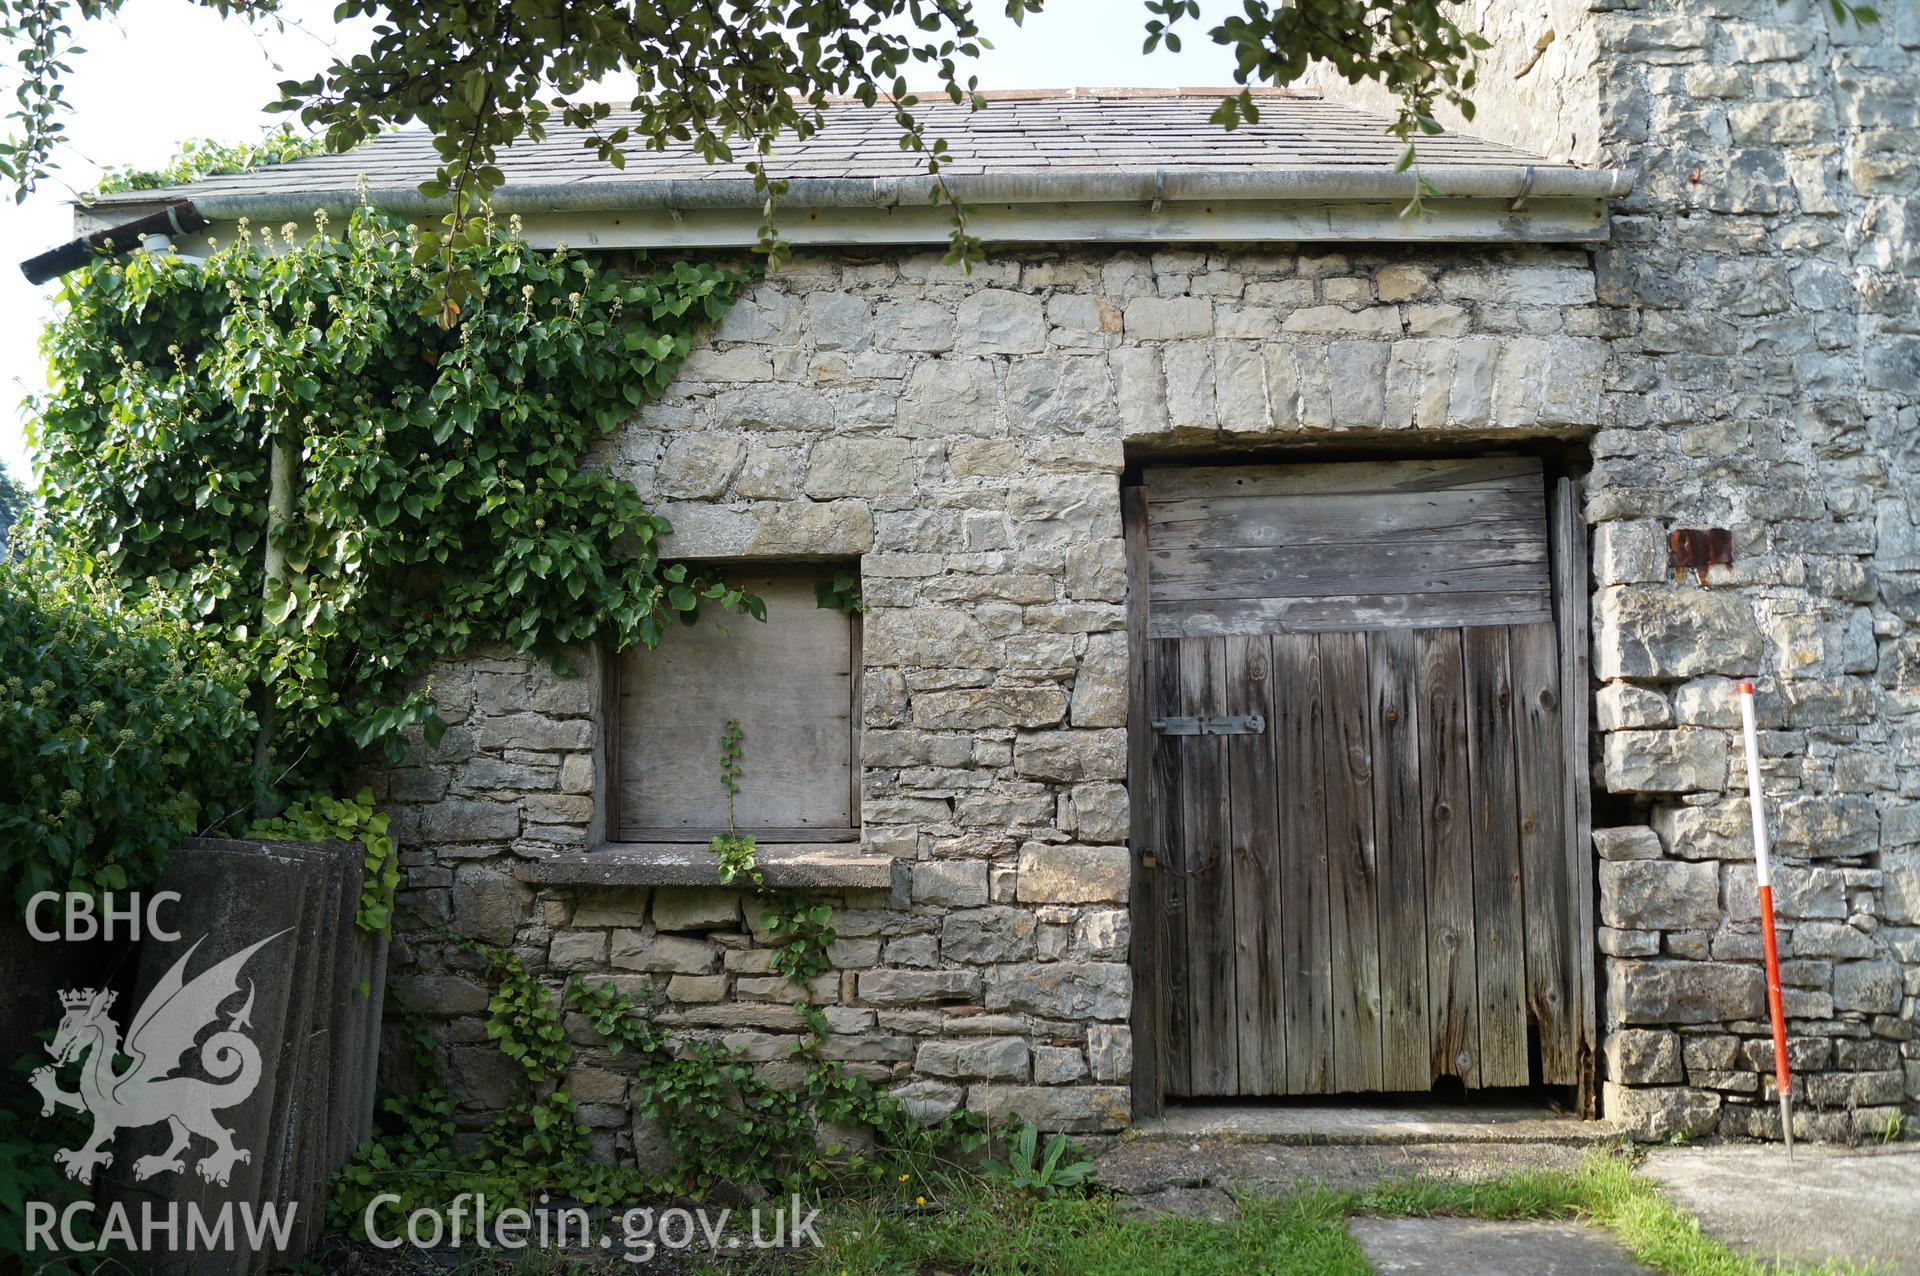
{"x":724,"y":1121}
{"x":321,"y":818}
{"x":443,"y":493}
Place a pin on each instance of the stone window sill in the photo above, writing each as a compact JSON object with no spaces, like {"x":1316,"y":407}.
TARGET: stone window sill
{"x":790,"y":865}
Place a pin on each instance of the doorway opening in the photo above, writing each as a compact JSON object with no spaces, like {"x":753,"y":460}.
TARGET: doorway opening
{"x":1360,"y":811}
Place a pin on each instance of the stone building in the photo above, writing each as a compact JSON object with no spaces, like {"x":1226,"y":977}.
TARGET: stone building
{"x":1688,"y":303}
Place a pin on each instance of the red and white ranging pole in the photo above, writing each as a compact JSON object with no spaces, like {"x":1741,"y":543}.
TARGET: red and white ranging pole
{"x":1763,"y":877}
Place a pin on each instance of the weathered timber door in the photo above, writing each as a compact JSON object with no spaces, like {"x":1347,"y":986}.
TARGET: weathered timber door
{"x":1359,"y":838}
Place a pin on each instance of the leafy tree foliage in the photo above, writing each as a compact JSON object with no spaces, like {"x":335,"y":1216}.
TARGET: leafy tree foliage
{"x":40,"y":35}
{"x":204,"y":157}
{"x":13,"y":503}
{"x":444,"y":495}
{"x":120,"y":731}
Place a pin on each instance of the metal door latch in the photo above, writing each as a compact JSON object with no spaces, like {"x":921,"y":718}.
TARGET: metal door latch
{"x":1212,"y":724}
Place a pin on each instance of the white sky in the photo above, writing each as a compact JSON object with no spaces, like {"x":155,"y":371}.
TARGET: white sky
{"x":166,"y":70}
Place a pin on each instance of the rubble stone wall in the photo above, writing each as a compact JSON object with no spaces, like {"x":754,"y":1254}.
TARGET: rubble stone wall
{"x":963,"y":437}
{"x":1744,"y":353}
{"x":1761,"y":306}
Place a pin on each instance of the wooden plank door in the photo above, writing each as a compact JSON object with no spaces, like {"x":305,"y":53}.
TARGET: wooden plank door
{"x":1356,"y":781}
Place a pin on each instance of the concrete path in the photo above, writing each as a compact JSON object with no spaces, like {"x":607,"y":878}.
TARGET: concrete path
{"x":1861,"y":1204}
{"x":1455,"y":1246}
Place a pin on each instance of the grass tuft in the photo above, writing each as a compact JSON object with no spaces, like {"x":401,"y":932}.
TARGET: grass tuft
{"x":978,"y":1231}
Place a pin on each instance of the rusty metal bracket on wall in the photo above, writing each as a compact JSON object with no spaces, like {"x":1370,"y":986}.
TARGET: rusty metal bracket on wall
{"x":1698,"y":548}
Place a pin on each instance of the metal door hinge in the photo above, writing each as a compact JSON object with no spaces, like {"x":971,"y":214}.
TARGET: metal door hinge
{"x":1212,"y":724}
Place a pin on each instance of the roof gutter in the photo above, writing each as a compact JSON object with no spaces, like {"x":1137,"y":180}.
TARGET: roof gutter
{"x":1050,"y":186}
{"x":181,"y":218}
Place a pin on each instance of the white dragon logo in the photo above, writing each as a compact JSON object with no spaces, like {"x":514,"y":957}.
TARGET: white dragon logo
{"x":169,"y":1021}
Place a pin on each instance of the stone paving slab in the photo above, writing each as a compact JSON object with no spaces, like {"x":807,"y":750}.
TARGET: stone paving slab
{"x":1453,"y":1246}
{"x":1144,"y":1168}
{"x":1375,"y":1123}
{"x":1210,"y":1203}
{"x":1859,"y":1204}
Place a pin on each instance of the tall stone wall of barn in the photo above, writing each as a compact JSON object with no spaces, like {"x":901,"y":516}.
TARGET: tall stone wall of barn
{"x":963,"y":437}
{"x":1761,"y":297}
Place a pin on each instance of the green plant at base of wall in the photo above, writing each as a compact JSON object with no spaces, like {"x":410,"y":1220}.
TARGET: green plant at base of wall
{"x":522,"y":1021}
{"x":1044,"y":1172}
{"x":724,"y":1122}
{"x":535,"y":1145}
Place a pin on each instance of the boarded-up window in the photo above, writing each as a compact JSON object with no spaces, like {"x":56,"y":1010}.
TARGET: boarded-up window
{"x":793,"y":684}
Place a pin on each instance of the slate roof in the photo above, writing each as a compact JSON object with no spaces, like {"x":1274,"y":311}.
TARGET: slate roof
{"x":1087,"y":131}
